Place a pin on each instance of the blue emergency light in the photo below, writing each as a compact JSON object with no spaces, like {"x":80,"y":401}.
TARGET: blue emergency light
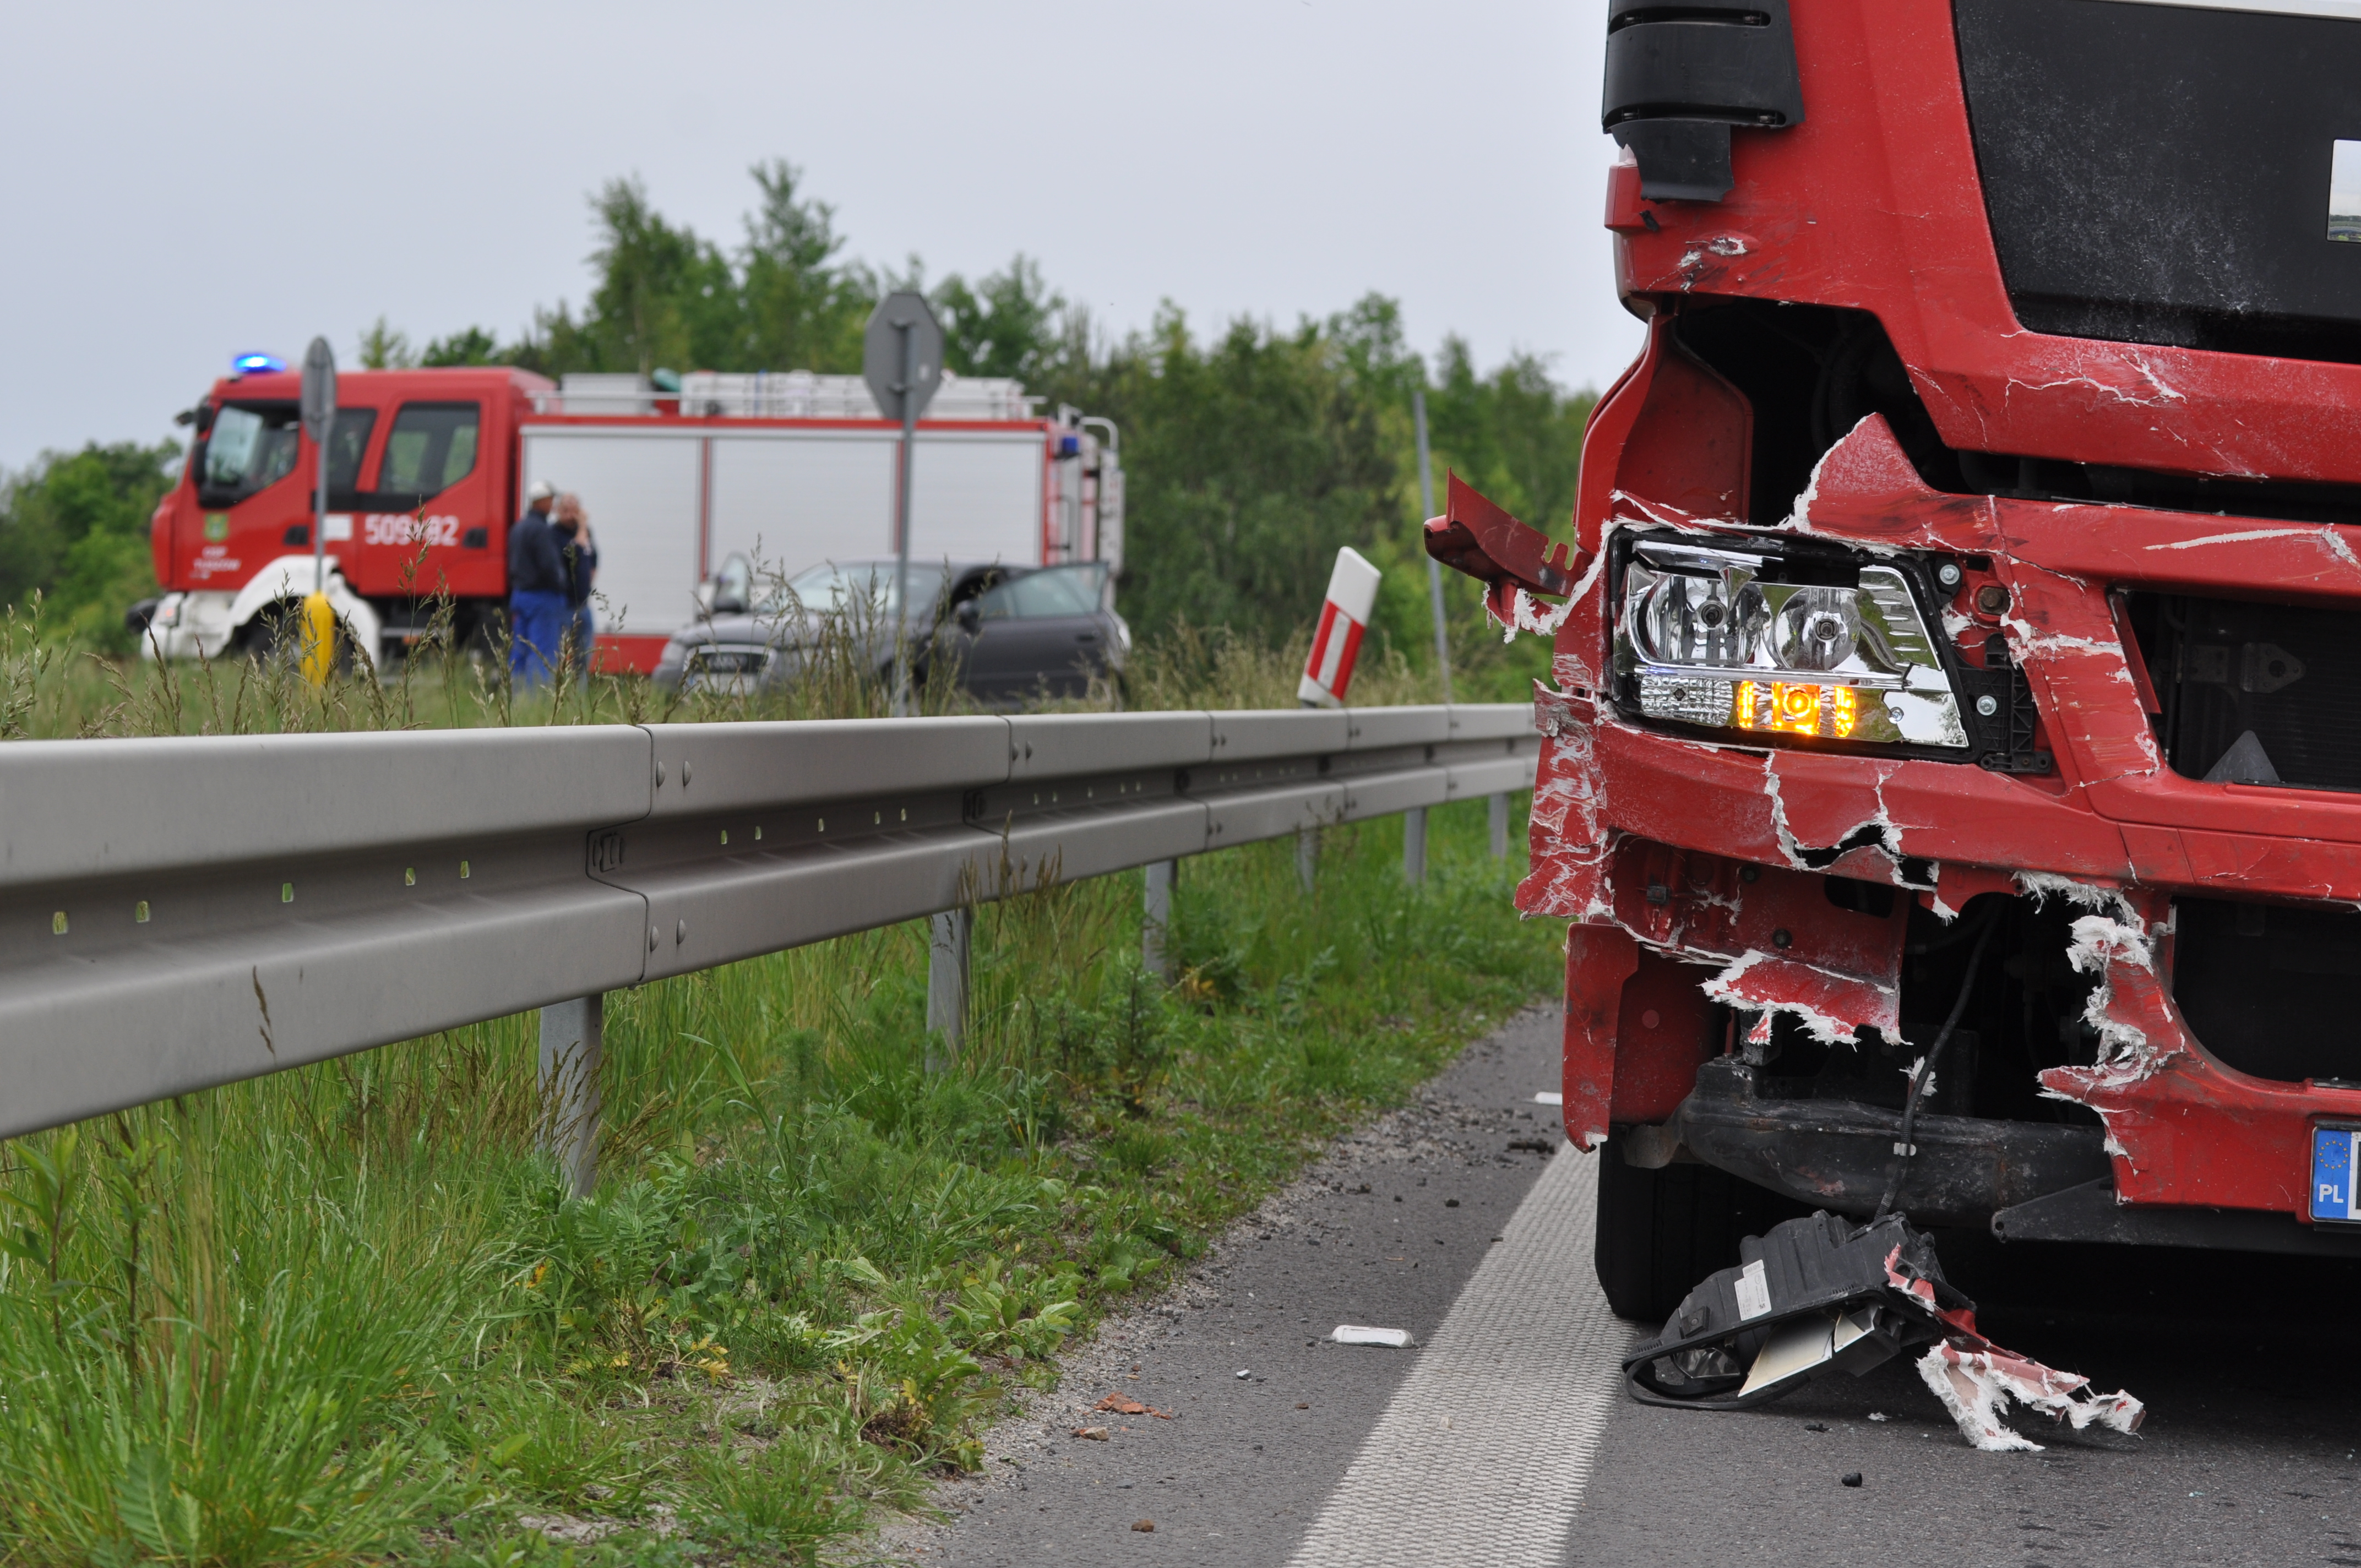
{"x":256,"y":364}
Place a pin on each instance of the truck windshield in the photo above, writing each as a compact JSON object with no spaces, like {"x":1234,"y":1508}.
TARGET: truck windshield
{"x":250,"y":447}
{"x":254,"y":445}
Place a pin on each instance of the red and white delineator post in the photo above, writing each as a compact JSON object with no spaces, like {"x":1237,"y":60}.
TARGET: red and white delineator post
{"x":1343,"y":616}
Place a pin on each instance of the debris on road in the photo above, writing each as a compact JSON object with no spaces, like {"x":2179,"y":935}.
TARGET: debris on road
{"x":1122,"y":1406}
{"x":1816,"y":1295}
{"x":1095,"y":1435}
{"x":1532,"y":1145}
{"x":1849,"y":1478}
{"x":1975,"y":1385}
{"x":1549,"y":1096}
{"x":1823,"y":1425}
{"x":1354,"y":1333}
{"x":1244,"y":1372}
{"x":1145,"y":1527}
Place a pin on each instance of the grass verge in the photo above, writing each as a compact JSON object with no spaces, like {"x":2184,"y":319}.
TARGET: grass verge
{"x":345,"y":1314}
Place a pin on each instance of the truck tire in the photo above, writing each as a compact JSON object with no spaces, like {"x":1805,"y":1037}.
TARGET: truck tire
{"x":1660,"y":1231}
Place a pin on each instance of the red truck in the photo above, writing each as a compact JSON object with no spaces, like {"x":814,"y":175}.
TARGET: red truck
{"x":678,"y":475}
{"x":1955,"y":659}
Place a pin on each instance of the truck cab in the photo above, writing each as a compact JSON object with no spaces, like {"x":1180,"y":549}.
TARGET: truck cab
{"x":1951,"y":781}
{"x":421,"y":481}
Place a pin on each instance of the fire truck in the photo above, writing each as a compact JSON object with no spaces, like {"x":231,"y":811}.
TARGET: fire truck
{"x":1953,"y":772}
{"x":678,"y":475}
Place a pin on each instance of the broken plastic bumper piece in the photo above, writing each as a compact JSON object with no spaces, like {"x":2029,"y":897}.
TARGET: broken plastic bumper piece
{"x":1820,"y":1295}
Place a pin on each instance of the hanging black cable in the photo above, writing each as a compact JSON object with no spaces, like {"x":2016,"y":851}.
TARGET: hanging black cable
{"x":1903,"y":1148}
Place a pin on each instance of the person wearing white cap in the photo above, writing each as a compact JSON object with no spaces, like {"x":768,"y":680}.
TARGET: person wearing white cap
{"x":537,"y":580}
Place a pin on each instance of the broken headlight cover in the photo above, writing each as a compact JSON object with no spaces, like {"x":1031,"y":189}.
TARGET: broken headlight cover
{"x":1705,"y":637}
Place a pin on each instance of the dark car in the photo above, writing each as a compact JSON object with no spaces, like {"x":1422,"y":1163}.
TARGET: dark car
{"x":1010,"y":634}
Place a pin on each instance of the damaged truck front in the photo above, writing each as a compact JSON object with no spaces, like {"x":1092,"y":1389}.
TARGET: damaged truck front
{"x":1961,"y":637}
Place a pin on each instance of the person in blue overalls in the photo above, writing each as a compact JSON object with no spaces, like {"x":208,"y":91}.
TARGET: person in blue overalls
{"x":536,"y":589}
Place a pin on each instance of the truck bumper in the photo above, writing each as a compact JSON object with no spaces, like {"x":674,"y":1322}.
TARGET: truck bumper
{"x":189,"y":626}
{"x":1694,"y":872}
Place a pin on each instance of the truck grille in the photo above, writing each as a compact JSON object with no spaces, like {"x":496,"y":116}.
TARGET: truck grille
{"x":2267,"y":988}
{"x":2162,"y":173}
{"x":2257,"y":693}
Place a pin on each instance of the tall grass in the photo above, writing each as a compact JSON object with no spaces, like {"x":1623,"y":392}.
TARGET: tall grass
{"x":348,"y":1314}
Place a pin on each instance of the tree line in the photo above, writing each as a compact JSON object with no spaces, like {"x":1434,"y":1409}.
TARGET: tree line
{"x":1250,"y":452}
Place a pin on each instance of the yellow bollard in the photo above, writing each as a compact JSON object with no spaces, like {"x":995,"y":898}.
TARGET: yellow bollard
{"x":317,"y":640}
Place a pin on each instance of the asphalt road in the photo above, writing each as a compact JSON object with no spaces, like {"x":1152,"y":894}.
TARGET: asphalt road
{"x":1504,"y":1438}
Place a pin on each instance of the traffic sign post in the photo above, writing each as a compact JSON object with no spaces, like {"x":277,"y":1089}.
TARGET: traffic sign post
{"x":902,"y":359}
{"x":318,"y":630}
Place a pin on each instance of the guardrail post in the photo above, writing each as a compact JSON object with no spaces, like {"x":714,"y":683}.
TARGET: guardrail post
{"x":1156,"y":921}
{"x":947,"y":952}
{"x":572,"y":1040}
{"x":1500,"y":805}
{"x":1307,"y":856}
{"x":1414,"y":844}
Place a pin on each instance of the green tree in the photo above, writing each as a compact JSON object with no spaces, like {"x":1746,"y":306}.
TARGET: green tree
{"x":1006,"y":324}
{"x":473,"y":345}
{"x":382,"y":348}
{"x":1513,"y":435}
{"x":75,"y":527}
{"x":664,"y":296}
{"x":1248,"y":461}
{"x":803,"y":309}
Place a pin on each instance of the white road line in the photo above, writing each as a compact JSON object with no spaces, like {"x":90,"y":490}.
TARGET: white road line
{"x":1483,"y":1453}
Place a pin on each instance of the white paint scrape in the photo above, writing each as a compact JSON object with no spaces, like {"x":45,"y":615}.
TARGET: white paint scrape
{"x":1483,"y":1453}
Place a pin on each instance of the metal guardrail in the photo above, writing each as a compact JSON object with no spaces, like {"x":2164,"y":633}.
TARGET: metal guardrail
{"x":179,"y":913}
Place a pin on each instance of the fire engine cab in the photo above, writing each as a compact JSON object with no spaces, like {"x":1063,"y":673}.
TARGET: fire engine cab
{"x":427,"y":468}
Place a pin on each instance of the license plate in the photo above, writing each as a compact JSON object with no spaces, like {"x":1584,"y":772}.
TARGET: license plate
{"x":2333,"y":1163}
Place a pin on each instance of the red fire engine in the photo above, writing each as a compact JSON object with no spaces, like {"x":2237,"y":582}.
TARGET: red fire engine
{"x":427,"y":468}
{"x":1953,"y":760}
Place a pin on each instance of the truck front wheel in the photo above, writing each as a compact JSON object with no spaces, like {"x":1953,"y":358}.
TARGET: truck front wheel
{"x":1659,"y":1232}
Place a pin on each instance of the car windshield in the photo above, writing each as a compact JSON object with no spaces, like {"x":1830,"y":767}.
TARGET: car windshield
{"x":854,"y":586}
{"x":1058,"y":591}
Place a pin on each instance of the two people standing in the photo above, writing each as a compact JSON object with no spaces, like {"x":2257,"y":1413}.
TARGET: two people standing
{"x":552,"y":562}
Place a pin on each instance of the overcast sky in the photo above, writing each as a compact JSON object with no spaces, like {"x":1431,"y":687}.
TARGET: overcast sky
{"x":185,"y":183}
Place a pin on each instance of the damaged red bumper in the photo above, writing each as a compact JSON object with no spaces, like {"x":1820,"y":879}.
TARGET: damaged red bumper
{"x":2139,"y":563}
{"x":1695,"y":873}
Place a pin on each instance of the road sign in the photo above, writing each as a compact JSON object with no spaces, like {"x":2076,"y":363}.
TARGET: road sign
{"x":902,"y":359}
{"x":319,"y":410}
{"x":881,"y":362}
{"x":319,"y":390}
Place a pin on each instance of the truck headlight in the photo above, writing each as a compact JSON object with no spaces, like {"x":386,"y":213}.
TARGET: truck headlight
{"x":1782,"y":644}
